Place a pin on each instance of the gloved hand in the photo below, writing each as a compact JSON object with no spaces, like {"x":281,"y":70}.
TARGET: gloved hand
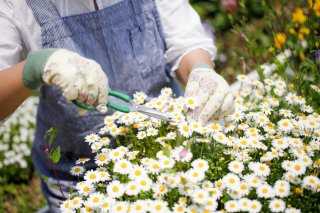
{"x":79,"y":78}
{"x":212,"y":93}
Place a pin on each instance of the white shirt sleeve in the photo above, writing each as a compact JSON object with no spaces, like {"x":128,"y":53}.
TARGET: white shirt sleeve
{"x":10,"y":41}
{"x":183,"y":30}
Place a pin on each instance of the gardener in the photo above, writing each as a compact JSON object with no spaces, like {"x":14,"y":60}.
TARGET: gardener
{"x":76,"y":50}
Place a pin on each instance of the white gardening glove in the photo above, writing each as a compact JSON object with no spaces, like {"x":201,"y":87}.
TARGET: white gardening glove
{"x":79,"y":78}
{"x":212,"y":93}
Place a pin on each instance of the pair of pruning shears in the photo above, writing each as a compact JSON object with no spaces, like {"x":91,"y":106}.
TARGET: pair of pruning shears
{"x":132,"y":107}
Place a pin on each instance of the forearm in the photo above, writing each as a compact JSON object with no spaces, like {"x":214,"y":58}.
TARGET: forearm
{"x":197,"y":56}
{"x":12,"y":90}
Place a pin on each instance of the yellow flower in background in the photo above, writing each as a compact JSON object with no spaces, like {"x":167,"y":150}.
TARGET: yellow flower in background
{"x":298,"y":16}
{"x":292,"y":31}
{"x":304,"y":31}
{"x":279,"y":40}
{"x":315,"y":4}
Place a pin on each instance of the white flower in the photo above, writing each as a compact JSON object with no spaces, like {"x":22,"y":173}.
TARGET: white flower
{"x":285,"y":125}
{"x":244,"y":204}
{"x":311,"y":183}
{"x":137,"y":172}
{"x":77,"y":170}
{"x":138,"y":207}
{"x":292,"y":210}
{"x":259,"y":169}
{"x":282,"y":188}
{"x":297,"y":168}
{"x":166,"y":163}
{"x":194,"y":175}
{"x":160,"y":188}
{"x":95,"y":199}
{"x":255,"y":206}
{"x":265,"y":191}
{"x":92,"y":138}
{"x":82,"y":160}
{"x":101,"y":159}
{"x":152,"y":132}
{"x":185,"y":129}
{"x":191,"y":102}
{"x":120,"y":207}
{"x":144,"y":183}
{"x":231,"y":181}
{"x":236,"y":167}
{"x":200,"y":196}
{"x":122,"y":166}
{"x":84,"y":188}
{"x":115,"y":189}
{"x":76,"y":202}
{"x":200,"y":165}
{"x":91,"y":176}
{"x":116,"y":154}
{"x":131,"y":188}
{"x":232,"y":206}
{"x":159,"y":206}
{"x":277,"y":205}
{"x":107,"y":203}
{"x":141,"y":135}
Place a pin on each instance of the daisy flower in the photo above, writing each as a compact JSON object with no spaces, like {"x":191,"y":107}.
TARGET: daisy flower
{"x":84,"y":188}
{"x":91,"y":176}
{"x":131,"y":188}
{"x":265,"y":191}
{"x":215,"y":193}
{"x":285,"y":125}
{"x":220,"y":137}
{"x":297,"y":168}
{"x":144,"y":183}
{"x":101,"y":159}
{"x":141,"y":135}
{"x":160,"y":188}
{"x":185,"y":129}
{"x":200,"y":196}
{"x":120,"y":207}
{"x":76,"y":202}
{"x":231,"y":181}
{"x":116,"y":154}
{"x":292,"y":210}
{"x":255,"y":206}
{"x":232,"y":206}
{"x":259,"y":169}
{"x":92,"y":138}
{"x":107,"y":203}
{"x":191,"y":102}
{"x":122,"y":166}
{"x":138,"y":207}
{"x":236,"y":167}
{"x":159,"y":206}
{"x":95,"y":199}
{"x":282,"y":188}
{"x":115,"y":189}
{"x":244,"y":204}
{"x":277,"y":205}
{"x":137,"y":172}
{"x":82,"y":160}
{"x":166,"y":163}
{"x":152,"y":132}
{"x":77,"y":170}
{"x":200,"y":165}
{"x":194,"y":175}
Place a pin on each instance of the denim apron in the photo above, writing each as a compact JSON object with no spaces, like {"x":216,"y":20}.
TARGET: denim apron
{"x":126,"y":39}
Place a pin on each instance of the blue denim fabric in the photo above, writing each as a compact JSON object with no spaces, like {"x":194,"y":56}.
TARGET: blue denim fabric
{"x":126,"y":39}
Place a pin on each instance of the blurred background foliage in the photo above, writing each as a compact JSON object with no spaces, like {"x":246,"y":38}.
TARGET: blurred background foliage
{"x":245,"y":31}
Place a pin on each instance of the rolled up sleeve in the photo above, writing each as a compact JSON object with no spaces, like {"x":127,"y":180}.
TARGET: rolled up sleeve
{"x":183,"y":31}
{"x":10,"y":42}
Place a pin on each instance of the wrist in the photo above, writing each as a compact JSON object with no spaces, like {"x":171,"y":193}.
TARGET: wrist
{"x":33,"y":67}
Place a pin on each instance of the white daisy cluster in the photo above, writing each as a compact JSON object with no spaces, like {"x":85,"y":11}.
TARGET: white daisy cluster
{"x":16,"y":135}
{"x":262,"y":158}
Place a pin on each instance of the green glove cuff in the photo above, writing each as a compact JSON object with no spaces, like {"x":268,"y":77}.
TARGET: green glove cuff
{"x":33,"y":67}
{"x":201,"y":66}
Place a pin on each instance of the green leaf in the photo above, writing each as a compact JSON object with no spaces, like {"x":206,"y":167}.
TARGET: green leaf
{"x":55,"y":155}
{"x":52,"y":134}
{"x":166,"y":151}
{"x":44,"y":178}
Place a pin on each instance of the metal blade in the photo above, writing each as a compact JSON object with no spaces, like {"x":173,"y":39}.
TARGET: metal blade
{"x":150,"y":112}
